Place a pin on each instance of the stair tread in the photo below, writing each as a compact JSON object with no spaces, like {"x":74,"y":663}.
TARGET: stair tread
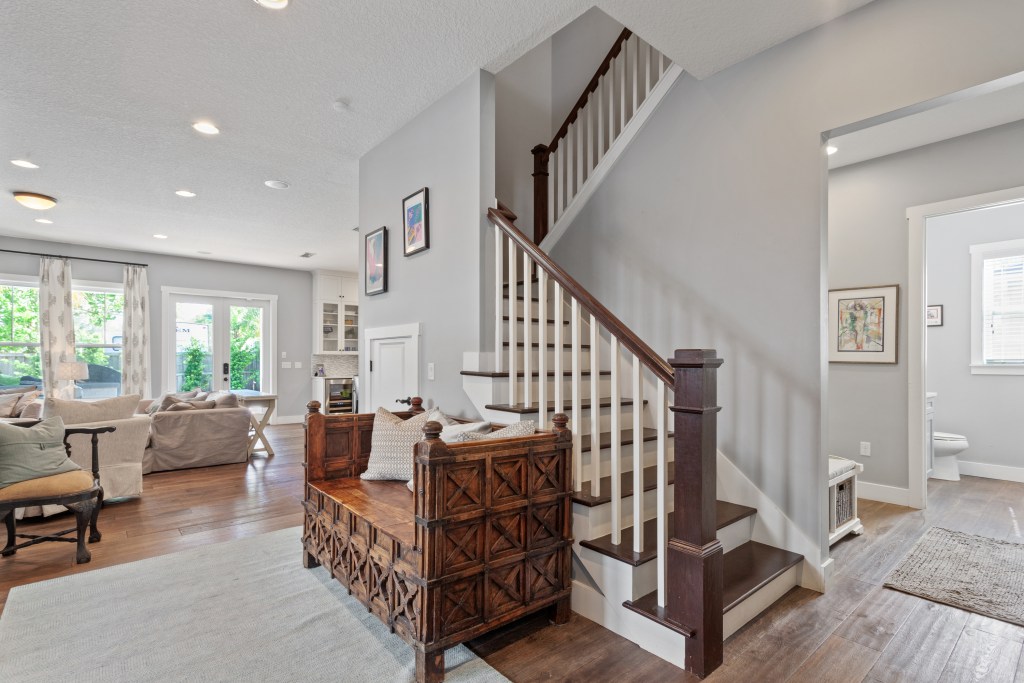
{"x":550,"y":345}
{"x":521,"y":319}
{"x":549,"y":373}
{"x":650,"y":482}
{"x":584,"y":405}
{"x":745,"y":571}
{"x":725,"y":513}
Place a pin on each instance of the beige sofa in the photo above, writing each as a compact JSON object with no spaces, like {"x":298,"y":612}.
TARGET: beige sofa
{"x":196,"y":438}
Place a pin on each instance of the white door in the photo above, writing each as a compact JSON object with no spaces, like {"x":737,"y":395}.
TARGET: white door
{"x":393,"y":368}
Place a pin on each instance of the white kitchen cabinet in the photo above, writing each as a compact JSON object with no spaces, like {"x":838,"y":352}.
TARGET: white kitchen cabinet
{"x":336,"y":313}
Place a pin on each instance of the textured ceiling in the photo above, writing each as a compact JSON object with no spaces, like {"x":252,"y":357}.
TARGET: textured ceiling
{"x":101,"y":93}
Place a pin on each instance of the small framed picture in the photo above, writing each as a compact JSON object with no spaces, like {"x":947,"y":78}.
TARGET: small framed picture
{"x":415,"y":223}
{"x":864,"y":324}
{"x":376,"y":254}
{"x":933,"y":316}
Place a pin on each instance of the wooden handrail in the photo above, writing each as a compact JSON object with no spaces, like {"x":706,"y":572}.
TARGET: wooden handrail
{"x":591,"y":87}
{"x":608,"y":320}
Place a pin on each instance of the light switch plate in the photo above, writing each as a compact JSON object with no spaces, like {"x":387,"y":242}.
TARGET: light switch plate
{"x":297,"y":365}
{"x":865,"y":448}
{"x":430,"y":371}
{"x":286,"y":365}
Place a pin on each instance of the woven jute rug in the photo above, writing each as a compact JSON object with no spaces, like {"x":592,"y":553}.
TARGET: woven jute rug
{"x":974,"y":573}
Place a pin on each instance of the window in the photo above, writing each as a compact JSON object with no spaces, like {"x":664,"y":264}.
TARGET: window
{"x":98,"y":312}
{"x":997,"y":308}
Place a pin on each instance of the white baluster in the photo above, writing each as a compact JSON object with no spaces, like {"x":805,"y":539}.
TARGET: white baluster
{"x":661,"y":64}
{"x":647,"y":70}
{"x":635,"y":71}
{"x":577,"y":411}
{"x":542,"y":347}
{"x":638,"y":459}
{"x":660,"y":411}
{"x":623,"y":89}
{"x":595,"y":416}
{"x":570,"y":165}
{"x":590,"y":135}
{"x":599,"y":105}
{"x":499,"y":301}
{"x":558,"y":307}
{"x":581,"y":148}
{"x":552,"y":188}
{"x":513,"y":323}
{"x":616,"y":445}
{"x":612,"y":101}
{"x":527,"y":330}
{"x":560,"y":178}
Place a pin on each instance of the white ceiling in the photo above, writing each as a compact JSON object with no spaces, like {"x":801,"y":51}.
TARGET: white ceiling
{"x":101,"y":93}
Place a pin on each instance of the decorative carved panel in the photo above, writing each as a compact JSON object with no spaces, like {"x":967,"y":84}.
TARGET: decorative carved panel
{"x":462,"y":487}
{"x":506,"y":535}
{"x":546,"y":524}
{"x":508,"y":479}
{"x":462,"y":546}
{"x":461,"y":605}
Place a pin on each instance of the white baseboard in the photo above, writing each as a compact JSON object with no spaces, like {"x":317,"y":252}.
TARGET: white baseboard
{"x":983,"y":469}
{"x":287,"y":419}
{"x":882,"y":493}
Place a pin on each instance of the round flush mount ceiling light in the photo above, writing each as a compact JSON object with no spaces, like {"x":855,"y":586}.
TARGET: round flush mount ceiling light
{"x":276,"y":184}
{"x":185,"y":193}
{"x":32,"y":200}
{"x":831,"y":149}
{"x":206,"y":128}
{"x":23,"y":163}
{"x":160,"y":237}
{"x":273,"y":4}
{"x":44,"y":221}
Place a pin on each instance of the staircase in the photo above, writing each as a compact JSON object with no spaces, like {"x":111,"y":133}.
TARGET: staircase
{"x":658,"y":558}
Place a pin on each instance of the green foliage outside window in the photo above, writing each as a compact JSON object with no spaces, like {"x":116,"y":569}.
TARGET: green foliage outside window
{"x":194,"y":375}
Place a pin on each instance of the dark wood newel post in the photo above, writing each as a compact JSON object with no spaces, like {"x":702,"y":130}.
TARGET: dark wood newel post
{"x":694,"y":570}
{"x":540,"y":192}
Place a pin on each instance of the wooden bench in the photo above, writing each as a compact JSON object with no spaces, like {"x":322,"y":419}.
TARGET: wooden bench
{"x":485,"y":540}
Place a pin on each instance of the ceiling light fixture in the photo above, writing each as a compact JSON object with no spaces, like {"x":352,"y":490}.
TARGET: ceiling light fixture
{"x":45,"y":221}
{"x":206,"y":128}
{"x":185,"y":193}
{"x":160,"y":237}
{"x":23,"y":164}
{"x":273,"y":4}
{"x":831,"y":149}
{"x":31,"y":200}
{"x":277,"y":184}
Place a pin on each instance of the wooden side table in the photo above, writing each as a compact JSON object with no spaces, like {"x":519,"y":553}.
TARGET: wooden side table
{"x":249,"y":398}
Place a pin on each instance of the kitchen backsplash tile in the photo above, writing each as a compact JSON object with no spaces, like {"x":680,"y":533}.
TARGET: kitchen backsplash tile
{"x":337,"y":366}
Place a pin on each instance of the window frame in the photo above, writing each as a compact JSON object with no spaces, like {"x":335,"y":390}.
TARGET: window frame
{"x":979,"y":254}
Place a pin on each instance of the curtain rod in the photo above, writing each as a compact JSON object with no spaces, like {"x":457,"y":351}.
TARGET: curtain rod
{"x":74,"y":258}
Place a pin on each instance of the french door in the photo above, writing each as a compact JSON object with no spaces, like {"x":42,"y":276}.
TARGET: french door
{"x":216,"y":343}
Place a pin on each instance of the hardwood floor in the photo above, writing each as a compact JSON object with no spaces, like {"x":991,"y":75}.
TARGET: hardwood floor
{"x":858,"y":631}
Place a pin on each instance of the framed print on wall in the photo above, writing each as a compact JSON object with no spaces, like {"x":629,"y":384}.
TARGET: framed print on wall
{"x":415,"y":223}
{"x":376,"y":265}
{"x":933,"y":316}
{"x":863,"y":325}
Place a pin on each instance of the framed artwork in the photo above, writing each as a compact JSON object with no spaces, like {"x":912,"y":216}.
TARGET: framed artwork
{"x":863,"y":324}
{"x":933,"y":316}
{"x":376,"y":267}
{"x":415,"y":223}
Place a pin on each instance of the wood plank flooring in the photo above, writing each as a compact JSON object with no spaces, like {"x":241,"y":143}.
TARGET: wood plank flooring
{"x":856,"y":632}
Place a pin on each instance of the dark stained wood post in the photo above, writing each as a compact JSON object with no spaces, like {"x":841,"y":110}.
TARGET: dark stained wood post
{"x":694,"y":569}
{"x":417,"y":405}
{"x":540,"y":192}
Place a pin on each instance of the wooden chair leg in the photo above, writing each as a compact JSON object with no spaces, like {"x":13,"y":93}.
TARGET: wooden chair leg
{"x":9,"y":521}
{"x":83,"y":515}
{"x":561,"y":611}
{"x":429,"y":666}
{"x":309,"y":560}
{"x":95,"y":535}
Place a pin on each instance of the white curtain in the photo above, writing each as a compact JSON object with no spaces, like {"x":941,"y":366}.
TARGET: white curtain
{"x":135,"y":376}
{"x":56,"y":326}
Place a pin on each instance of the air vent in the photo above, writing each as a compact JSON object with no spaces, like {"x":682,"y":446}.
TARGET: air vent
{"x":307,"y":254}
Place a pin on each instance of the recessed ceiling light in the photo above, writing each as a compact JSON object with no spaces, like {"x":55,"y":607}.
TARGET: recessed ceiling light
{"x":160,"y":237}
{"x":307,"y":254}
{"x":46,"y":221}
{"x":277,"y":184}
{"x":23,"y":164}
{"x":831,"y":149}
{"x":31,"y":200}
{"x":341,"y":104}
{"x":273,"y":4}
{"x":185,"y":193}
{"x":206,"y":128}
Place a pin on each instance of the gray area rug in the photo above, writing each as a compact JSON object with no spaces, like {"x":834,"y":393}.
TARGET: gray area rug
{"x":239,"y":611}
{"x":974,"y":573}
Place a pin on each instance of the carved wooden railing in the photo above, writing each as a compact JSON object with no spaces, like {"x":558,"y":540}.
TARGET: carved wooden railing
{"x":689,"y":595}
{"x":620,"y":85}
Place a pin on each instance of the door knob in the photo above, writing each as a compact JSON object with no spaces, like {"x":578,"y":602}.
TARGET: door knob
{"x":406,"y":401}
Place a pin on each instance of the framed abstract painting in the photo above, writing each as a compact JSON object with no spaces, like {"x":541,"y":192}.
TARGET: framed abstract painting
{"x":376,"y":266}
{"x":933,"y":316}
{"x":863,"y":325}
{"x":415,"y":223}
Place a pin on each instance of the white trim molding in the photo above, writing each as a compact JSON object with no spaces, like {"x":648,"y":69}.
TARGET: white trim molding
{"x":984,"y":469}
{"x":884,"y":494}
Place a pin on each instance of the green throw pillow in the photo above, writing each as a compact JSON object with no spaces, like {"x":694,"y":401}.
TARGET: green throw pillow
{"x":33,"y":452}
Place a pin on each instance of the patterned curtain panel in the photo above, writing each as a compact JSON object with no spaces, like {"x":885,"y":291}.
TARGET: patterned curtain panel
{"x":56,"y":326}
{"x":135,"y":377}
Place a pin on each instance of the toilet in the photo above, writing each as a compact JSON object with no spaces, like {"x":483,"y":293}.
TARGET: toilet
{"x":946,"y":448}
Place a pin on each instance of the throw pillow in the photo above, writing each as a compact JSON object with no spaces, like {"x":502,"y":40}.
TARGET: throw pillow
{"x":392,"y":441}
{"x":162,"y":403}
{"x":29,"y":398}
{"x":84,"y":412}
{"x":526,"y":428}
{"x":202,"y":395}
{"x":178,"y":407}
{"x":20,"y":389}
{"x":449,"y":433}
{"x":8,"y":402}
{"x":202,"y":405}
{"x":33,"y":452}
{"x":33,"y":410}
{"x":225,"y":400}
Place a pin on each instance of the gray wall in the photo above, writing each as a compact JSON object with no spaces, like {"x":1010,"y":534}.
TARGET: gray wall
{"x":448,"y":148}
{"x":868,"y":245}
{"x":294,"y":289}
{"x":984,"y":408}
{"x":576,"y":52}
{"x":709,"y":232}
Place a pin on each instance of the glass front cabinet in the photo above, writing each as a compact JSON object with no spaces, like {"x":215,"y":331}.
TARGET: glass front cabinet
{"x":337,"y":313}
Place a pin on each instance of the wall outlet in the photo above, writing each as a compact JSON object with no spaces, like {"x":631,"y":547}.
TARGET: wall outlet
{"x":286,"y":365}
{"x":865,"y":448}
{"x":297,"y":365}
{"x":284,"y":354}
{"x":430,"y":371}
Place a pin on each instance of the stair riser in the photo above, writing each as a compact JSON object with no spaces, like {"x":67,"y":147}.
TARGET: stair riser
{"x":650,"y":458}
{"x":768,"y":595}
{"x":604,"y":386}
{"x":589,"y":523}
{"x":549,"y":358}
